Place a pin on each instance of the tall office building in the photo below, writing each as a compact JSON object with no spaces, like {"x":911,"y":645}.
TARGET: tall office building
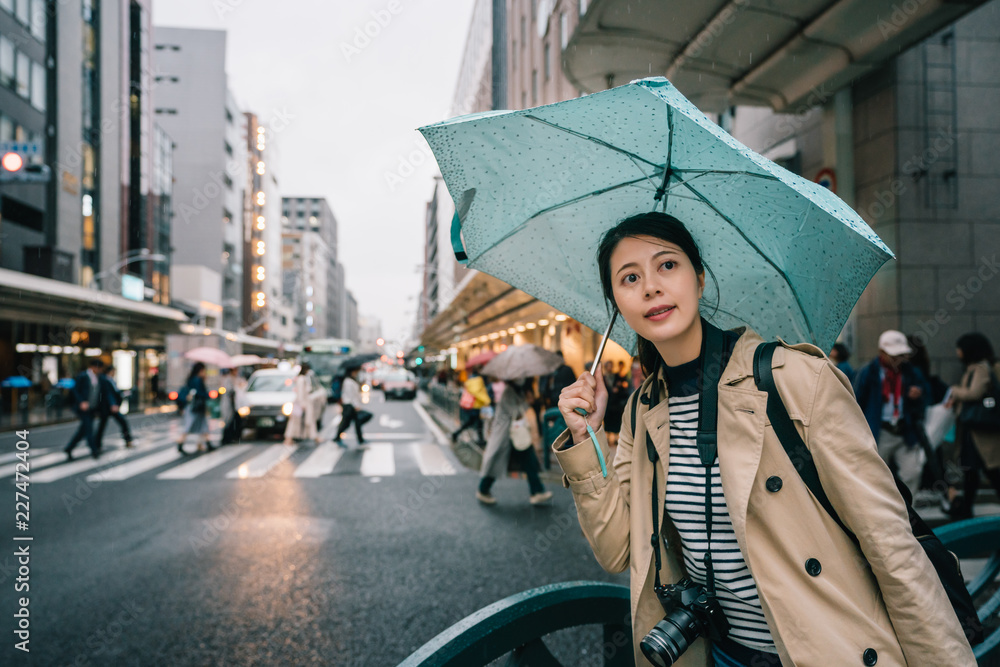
{"x":194,"y":107}
{"x":309,"y":231}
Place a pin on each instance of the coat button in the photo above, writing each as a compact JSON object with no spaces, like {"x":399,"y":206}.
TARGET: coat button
{"x":870,"y":657}
{"x":813,"y":567}
{"x":773,"y":484}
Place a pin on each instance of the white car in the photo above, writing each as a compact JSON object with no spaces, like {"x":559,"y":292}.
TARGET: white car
{"x":266,"y":403}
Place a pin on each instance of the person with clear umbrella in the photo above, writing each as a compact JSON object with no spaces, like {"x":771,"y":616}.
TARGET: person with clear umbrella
{"x":195,"y":409}
{"x":514,"y":431}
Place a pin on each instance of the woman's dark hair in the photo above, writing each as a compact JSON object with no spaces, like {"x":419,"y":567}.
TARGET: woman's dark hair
{"x":975,"y":347}
{"x":197,"y":368}
{"x":919,"y":357}
{"x":657,"y":225}
{"x":842,"y":352}
{"x":304,"y":368}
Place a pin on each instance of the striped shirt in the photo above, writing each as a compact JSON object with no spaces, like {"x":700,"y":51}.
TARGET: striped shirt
{"x":685,"y":505}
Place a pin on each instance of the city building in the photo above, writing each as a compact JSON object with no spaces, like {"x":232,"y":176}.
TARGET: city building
{"x":369,"y":333}
{"x":195,"y":109}
{"x":512,"y":60}
{"x":309,"y":260}
{"x":892,"y":105}
{"x":84,"y":263}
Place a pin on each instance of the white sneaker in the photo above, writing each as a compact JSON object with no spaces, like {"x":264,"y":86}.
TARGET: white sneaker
{"x":485,"y":498}
{"x":540,"y":498}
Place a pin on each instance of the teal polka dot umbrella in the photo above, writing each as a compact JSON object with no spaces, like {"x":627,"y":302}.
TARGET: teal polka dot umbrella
{"x":535,"y":189}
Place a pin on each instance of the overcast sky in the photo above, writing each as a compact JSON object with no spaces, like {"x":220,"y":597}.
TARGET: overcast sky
{"x":353,"y":117}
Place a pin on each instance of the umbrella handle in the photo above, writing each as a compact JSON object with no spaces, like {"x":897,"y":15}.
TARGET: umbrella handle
{"x":593,"y":369}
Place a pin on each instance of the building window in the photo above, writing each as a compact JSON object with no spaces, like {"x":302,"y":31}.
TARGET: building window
{"x":23,"y":75}
{"x":534,"y":87}
{"x":169,"y":112}
{"x":524,"y":31}
{"x":563,"y":30}
{"x":534,"y":10}
{"x":8,"y":5}
{"x":583,"y":7}
{"x":6,"y":129}
{"x":513,"y":56}
{"x":24,"y":11}
{"x":7,"y":60}
{"x":38,"y":86}
{"x":229,"y":149}
{"x":524,"y":100}
{"x":548,"y":62}
{"x":38,"y":19}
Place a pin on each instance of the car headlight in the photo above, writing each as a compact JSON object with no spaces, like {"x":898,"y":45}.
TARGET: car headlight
{"x":244,"y":411}
{"x":365,"y":387}
{"x":286,"y":409}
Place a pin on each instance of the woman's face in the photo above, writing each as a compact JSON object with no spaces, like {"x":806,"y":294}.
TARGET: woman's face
{"x":655,"y":287}
{"x":958,"y":352}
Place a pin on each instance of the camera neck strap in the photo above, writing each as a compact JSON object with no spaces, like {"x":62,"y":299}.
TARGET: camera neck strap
{"x":712,"y":343}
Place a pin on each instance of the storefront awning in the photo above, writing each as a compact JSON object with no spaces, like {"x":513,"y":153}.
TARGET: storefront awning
{"x":721,"y":53}
{"x":28,"y":298}
{"x":482,"y":305}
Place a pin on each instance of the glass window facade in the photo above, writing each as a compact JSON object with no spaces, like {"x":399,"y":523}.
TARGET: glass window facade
{"x":38,"y":86}
{"x":7,"y":60}
{"x":23,"y":84}
{"x":38,"y":20}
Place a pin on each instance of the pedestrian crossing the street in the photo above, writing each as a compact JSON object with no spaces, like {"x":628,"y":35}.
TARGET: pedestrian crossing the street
{"x":157,"y":458}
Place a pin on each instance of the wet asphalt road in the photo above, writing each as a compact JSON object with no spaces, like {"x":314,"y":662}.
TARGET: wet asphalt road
{"x":360,"y":566}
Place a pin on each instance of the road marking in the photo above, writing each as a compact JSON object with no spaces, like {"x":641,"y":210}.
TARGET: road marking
{"x":378,"y":461}
{"x":431,"y":424}
{"x":321,"y":462}
{"x":35,"y":464}
{"x":203,"y":464}
{"x":349,"y":435}
{"x":137,"y":467}
{"x":12,"y":456}
{"x":432,"y":460}
{"x":82,"y":465}
{"x":386,"y":421}
{"x":261,"y":464}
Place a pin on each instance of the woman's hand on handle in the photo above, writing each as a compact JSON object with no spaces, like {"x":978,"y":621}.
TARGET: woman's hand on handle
{"x":590,"y":394}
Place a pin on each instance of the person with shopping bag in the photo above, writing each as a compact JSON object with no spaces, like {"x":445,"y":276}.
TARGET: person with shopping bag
{"x":350,"y":399}
{"x":732,"y":560}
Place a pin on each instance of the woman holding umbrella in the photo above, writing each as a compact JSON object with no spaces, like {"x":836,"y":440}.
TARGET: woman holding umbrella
{"x":782,"y":582}
{"x":195,"y":409}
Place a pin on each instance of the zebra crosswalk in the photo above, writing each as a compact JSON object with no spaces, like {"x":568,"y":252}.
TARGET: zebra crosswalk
{"x":157,"y":458}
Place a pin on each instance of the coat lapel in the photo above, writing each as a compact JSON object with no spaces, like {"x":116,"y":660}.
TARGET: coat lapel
{"x":742,"y":416}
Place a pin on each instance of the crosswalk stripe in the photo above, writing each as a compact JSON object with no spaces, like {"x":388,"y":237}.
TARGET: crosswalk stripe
{"x":203,"y":464}
{"x":261,"y":464}
{"x":378,"y":461}
{"x":82,"y":465}
{"x":349,"y":435}
{"x":432,"y":460}
{"x":32,"y":453}
{"x":320,"y":462}
{"x":33,"y":463}
{"x":132,"y":468}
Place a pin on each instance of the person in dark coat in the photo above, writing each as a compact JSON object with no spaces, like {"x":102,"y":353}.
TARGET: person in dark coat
{"x":893,"y":395}
{"x":111,"y":408}
{"x":196,"y":409}
{"x":553,"y":384}
{"x":88,"y":396}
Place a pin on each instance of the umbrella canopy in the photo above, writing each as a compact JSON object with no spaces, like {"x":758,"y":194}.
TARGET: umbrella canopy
{"x":16,"y":381}
{"x":210,"y":355}
{"x":535,"y":189}
{"x":245,"y":360}
{"x":522,"y":361}
{"x":480,"y":359}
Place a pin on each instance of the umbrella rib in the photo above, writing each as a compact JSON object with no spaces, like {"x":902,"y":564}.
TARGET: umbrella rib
{"x":587,"y":137}
{"x":753,"y":245}
{"x":766,"y":177}
{"x":568,"y":202}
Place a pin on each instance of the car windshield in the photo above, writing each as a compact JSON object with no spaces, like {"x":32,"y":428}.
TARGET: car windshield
{"x":397,"y":376}
{"x":271,"y":383}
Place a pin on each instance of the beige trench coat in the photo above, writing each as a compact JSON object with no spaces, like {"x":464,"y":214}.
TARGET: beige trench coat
{"x":889,"y":599}
{"x":973,"y":387}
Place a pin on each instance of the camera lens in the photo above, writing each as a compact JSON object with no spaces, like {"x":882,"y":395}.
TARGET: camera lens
{"x":670,"y":638}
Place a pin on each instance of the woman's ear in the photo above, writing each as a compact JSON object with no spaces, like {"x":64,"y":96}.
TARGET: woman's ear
{"x":701,"y":284}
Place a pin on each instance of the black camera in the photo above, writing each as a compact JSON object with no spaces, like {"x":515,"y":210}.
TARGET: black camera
{"x":691,"y":612}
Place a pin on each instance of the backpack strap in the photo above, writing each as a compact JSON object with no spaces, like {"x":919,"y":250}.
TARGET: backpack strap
{"x":790,"y":439}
